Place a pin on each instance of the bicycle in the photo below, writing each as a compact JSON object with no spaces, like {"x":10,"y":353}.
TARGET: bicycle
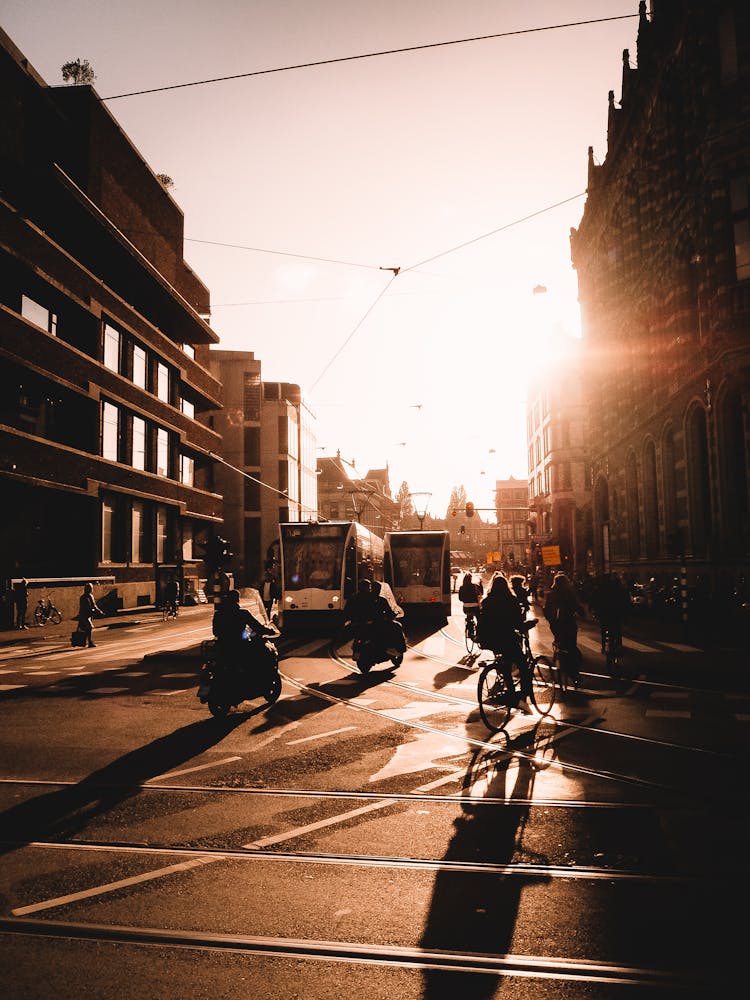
{"x":495,"y":699}
{"x":470,"y":633}
{"x":168,"y":610}
{"x":45,"y":612}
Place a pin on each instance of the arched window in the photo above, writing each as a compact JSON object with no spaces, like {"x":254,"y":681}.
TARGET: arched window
{"x":699,"y":483}
{"x":733,"y":472}
{"x":650,"y":501}
{"x":632,"y":512}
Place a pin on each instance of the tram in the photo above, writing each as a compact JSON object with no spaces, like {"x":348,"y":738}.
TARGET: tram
{"x":321,"y":566}
{"x":417,"y":566}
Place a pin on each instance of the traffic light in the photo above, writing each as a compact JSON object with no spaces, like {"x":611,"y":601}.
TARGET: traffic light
{"x":463,"y":529}
{"x":469,"y":509}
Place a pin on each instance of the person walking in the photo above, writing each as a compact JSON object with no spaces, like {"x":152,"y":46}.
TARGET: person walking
{"x":21,"y":601}
{"x":172,"y":595}
{"x":87,"y":608}
{"x":269,"y":591}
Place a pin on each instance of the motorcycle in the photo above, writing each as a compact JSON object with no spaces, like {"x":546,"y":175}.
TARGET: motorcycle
{"x":369,"y":648}
{"x":228,"y":678}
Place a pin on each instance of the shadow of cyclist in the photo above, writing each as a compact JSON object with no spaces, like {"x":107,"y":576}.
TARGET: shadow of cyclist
{"x":475,"y":912}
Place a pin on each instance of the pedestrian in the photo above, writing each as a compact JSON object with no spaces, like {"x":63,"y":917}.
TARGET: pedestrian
{"x":87,"y":608}
{"x":21,"y":601}
{"x":269,"y":591}
{"x":172,"y":594}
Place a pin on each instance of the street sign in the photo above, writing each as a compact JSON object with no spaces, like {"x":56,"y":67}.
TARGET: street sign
{"x":551,"y":555}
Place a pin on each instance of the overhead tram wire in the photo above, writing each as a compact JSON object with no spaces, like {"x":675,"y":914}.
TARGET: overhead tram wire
{"x":267,"y":486}
{"x":370,"y":55}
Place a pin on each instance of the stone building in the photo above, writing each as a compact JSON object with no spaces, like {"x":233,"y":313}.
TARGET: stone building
{"x":107,"y":467}
{"x":663,"y":260}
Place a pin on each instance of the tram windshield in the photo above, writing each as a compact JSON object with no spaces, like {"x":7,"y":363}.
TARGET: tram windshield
{"x":416,"y":561}
{"x":314,"y":559}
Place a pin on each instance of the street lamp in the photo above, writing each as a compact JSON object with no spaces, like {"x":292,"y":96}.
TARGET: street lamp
{"x":360,"y":505}
{"x":420,"y":502}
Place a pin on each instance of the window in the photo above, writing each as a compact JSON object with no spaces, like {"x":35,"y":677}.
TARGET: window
{"x":139,"y":366}
{"x":188,"y":408}
{"x":189,"y":350}
{"x":138,"y":532}
{"x":162,"y":453}
{"x":738,"y":195}
{"x":110,"y":431}
{"x":162,"y":382}
{"x":108,"y":531}
{"x":187,"y":470}
{"x":188,"y":540}
{"x":252,"y":495}
{"x":111,"y":348}
{"x":161,"y":534}
{"x":139,"y":443}
{"x":38,"y":315}
{"x":251,"y":437}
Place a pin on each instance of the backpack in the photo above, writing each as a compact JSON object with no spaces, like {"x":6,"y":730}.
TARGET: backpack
{"x":467,"y":593}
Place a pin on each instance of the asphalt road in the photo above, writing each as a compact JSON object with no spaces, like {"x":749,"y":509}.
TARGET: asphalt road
{"x":368,"y":833}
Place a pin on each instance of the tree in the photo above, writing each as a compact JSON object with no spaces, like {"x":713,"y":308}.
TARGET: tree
{"x":458,"y":498}
{"x":79,"y":71}
{"x":403,"y":499}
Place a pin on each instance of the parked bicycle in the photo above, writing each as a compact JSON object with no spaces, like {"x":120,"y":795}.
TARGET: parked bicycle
{"x":168,"y":610}
{"x":495,"y":699}
{"x":46,"y":613}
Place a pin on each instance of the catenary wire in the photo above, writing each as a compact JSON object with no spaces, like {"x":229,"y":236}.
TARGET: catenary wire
{"x":369,"y":55}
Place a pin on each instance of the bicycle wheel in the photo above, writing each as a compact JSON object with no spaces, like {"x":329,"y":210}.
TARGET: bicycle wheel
{"x":470,"y":635}
{"x":55,"y":616}
{"x":543,"y":690}
{"x":493,"y":696}
{"x":39,"y":616}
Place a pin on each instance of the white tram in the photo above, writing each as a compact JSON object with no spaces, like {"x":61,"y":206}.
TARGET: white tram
{"x":417,"y":566}
{"x":321,"y":566}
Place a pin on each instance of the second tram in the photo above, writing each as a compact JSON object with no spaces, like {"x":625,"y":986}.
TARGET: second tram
{"x":417,"y":566}
{"x":321,"y":566}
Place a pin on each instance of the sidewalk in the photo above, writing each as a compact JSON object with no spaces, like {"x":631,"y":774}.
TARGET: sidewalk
{"x":132,"y":616}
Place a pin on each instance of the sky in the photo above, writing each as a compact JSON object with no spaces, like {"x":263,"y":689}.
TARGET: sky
{"x":373,"y":229}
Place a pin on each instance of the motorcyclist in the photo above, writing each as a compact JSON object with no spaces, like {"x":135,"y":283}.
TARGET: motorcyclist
{"x":388,"y":631}
{"x":238,"y":633}
{"x":360,"y":608}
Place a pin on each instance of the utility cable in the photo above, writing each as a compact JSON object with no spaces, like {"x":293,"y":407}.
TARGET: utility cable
{"x":369,"y":55}
{"x":377,"y":299}
{"x":267,"y":486}
{"x":284,"y":253}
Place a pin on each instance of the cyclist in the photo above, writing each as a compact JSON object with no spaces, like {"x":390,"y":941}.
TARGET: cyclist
{"x":518,"y":585}
{"x":470,"y":595}
{"x":560,"y":610}
{"x":172,"y":595}
{"x":500,"y":619}
{"x":609,"y":604}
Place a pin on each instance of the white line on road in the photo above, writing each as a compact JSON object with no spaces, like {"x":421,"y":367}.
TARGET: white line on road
{"x":100,"y":890}
{"x":320,"y":825}
{"x":198,"y":767}
{"x":320,"y":736}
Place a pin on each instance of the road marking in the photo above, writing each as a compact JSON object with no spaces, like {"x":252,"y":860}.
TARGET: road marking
{"x":198,"y":767}
{"x":320,"y":825}
{"x":320,"y":736}
{"x":11,"y":687}
{"x":100,"y":890}
{"x":108,"y":690}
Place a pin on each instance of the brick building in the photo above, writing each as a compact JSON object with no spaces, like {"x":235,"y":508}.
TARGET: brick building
{"x":106,"y":459}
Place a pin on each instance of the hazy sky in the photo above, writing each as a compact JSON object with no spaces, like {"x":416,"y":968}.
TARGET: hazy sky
{"x":301,"y":188}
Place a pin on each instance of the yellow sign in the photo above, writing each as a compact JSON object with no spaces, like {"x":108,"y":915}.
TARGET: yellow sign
{"x":551,"y":555}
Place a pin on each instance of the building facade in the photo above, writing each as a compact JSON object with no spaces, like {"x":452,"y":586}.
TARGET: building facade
{"x":663,"y":260}
{"x":107,"y":468}
{"x":512,"y":550}
{"x":342,"y":497}
{"x":559,"y":486}
{"x":267,"y":468}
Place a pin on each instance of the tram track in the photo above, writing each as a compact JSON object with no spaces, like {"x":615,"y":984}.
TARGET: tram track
{"x":419,"y":958}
